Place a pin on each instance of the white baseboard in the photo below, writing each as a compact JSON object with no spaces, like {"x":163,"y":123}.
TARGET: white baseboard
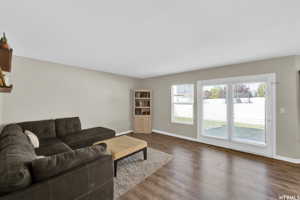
{"x":287,"y":159}
{"x":175,"y":135}
{"x":124,"y":133}
{"x":277,"y":157}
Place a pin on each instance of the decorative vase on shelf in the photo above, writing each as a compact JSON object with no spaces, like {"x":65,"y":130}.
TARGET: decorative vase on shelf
{"x":2,"y":79}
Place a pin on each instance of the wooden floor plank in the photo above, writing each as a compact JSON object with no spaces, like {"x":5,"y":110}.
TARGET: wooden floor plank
{"x":199,"y":171}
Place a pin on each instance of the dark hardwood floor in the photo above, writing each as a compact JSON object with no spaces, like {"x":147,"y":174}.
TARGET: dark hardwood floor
{"x":200,"y":171}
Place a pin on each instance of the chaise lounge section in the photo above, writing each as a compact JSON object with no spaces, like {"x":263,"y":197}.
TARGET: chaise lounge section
{"x":69,"y":130}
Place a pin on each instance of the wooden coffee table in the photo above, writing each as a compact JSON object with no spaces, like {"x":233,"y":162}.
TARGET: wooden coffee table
{"x":124,"y":146}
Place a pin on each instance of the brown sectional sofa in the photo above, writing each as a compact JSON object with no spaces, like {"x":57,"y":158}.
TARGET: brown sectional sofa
{"x":72,"y":168}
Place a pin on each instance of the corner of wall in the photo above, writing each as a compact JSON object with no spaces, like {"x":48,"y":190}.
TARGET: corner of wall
{"x":297,"y":68}
{"x":298,"y":61}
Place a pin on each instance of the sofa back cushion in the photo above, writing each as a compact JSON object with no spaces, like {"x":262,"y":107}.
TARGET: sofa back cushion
{"x":42,"y":129}
{"x":15,"y":153}
{"x":45,"y":168}
{"x":65,"y":126}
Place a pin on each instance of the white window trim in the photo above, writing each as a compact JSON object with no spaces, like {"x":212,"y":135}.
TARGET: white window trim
{"x":172,"y":105}
{"x":251,"y":147}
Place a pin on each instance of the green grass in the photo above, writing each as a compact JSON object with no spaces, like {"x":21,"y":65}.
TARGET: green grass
{"x":212,"y":123}
{"x":218,"y":128}
{"x":183,"y":119}
{"x":253,"y":132}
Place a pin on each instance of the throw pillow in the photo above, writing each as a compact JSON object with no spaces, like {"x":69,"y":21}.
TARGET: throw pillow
{"x":33,"y":138}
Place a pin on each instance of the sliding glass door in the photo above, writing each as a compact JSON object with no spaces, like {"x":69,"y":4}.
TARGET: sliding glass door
{"x":249,"y":112}
{"x":215,"y":111}
{"x":238,"y":113}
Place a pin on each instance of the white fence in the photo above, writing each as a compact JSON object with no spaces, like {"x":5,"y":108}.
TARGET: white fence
{"x":215,"y":109}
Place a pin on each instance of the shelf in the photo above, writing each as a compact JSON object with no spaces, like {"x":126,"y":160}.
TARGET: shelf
{"x":6,"y":89}
{"x":142,"y":112}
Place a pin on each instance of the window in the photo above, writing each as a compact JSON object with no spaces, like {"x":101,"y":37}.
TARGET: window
{"x":249,"y":112}
{"x":183,"y":103}
{"x":215,"y":111}
{"x":238,"y":112}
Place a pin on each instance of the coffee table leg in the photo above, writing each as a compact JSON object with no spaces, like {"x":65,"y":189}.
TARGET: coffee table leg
{"x":145,"y":153}
{"x":115,"y":167}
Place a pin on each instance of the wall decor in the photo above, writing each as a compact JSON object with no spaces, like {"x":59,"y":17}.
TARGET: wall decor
{"x":5,"y":64}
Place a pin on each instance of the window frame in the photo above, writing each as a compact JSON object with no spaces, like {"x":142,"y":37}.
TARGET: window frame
{"x":173,"y":103}
{"x":201,"y":85}
{"x":267,"y":149}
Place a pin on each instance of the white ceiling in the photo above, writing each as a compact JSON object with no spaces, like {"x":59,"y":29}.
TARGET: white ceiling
{"x":145,"y":38}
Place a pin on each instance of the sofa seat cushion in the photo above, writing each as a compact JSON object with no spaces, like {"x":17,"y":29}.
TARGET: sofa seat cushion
{"x":42,"y":129}
{"x":16,"y":152}
{"x":65,"y":126}
{"x":88,"y":137}
{"x":49,"y":142}
{"x":51,"y":166}
{"x":51,"y":146}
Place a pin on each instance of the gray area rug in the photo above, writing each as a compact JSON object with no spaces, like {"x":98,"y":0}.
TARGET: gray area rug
{"x":134,"y":169}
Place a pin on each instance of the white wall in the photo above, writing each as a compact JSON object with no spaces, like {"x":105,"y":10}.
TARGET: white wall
{"x":44,"y":90}
{"x":287,"y":97}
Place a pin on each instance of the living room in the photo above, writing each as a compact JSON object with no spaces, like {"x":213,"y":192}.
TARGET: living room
{"x":149,"y":100}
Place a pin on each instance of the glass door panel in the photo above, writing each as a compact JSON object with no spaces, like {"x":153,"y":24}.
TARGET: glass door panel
{"x":249,"y":112}
{"x":214,"y":117}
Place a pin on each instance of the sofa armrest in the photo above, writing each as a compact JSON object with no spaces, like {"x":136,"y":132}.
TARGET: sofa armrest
{"x":90,"y":179}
